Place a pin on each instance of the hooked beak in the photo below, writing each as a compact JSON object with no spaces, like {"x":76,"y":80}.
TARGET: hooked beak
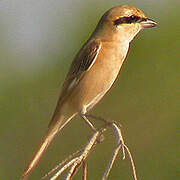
{"x":148,"y":23}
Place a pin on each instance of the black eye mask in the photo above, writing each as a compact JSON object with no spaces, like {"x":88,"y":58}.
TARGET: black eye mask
{"x":128,"y":20}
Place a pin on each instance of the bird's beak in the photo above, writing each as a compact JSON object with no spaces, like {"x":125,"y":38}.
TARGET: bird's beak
{"x":148,"y":23}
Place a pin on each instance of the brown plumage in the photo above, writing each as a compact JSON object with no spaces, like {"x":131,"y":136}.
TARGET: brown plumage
{"x":94,"y":69}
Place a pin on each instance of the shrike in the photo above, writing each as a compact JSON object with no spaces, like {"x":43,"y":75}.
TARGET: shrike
{"x":94,"y":70}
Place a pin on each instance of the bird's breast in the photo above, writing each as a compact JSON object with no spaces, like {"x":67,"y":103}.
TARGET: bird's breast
{"x":100,"y":77}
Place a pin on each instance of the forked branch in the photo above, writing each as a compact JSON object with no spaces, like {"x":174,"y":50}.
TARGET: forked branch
{"x":77,"y":159}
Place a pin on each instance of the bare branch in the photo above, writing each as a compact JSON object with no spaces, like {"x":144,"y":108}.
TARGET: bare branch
{"x":85,"y":171}
{"x":131,"y":162}
{"x":69,"y":164}
{"x":120,"y":145}
{"x":62,"y":163}
{"x":75,"y":160}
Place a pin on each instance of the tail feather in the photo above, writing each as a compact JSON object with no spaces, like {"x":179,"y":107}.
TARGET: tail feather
{"x":45,"y":142}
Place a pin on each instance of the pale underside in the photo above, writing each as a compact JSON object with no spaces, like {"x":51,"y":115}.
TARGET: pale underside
{"x":87,"y":87}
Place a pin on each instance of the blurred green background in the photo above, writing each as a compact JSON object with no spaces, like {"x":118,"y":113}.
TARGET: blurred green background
{"x":38,"y":40}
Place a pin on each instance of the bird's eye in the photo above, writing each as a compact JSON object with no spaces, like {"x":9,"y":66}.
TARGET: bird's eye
{"x":133,"y":18}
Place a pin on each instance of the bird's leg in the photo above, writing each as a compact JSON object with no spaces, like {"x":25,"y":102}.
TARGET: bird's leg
{"x":88,"y":122}
{"x":110,"y":124}
{"x":75,"y":160}
{"x":78,"y":159}
{"x":107,"y":123}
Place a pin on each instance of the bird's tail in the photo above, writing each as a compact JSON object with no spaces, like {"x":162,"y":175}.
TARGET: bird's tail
{"x":45,"y":142}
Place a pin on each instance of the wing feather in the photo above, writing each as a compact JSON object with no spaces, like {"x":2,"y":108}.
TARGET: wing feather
{"x":83,"y":61}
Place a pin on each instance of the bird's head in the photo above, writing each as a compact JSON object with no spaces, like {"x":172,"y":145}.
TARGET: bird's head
{"x":124,"y":22}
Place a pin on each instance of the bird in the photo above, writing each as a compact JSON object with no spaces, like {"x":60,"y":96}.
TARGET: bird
{"x":93,"y":71}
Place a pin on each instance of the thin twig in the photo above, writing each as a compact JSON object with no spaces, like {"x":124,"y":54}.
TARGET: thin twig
{"x":120,"y":145}
{"x":69,"y":164}
{"x":62,"y":163}
{"x":131,"y":162}
{"x":85,"y":171}
{"x":119,"y":137}
{"x":76,"y":162}
{"x":111,"y":162}
{"x":78,"y":158}
{"x":74,"y":168}
{"x":85,"y":153}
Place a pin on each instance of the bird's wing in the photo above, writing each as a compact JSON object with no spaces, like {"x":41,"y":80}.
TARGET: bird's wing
{"x":83,"y":61}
